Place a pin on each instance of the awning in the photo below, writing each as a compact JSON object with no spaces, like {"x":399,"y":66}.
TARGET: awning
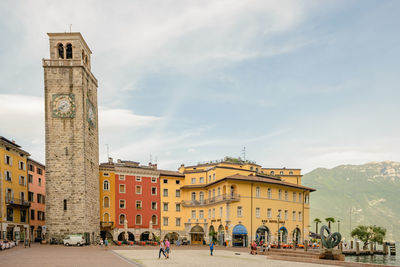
{"x":239,"y":230}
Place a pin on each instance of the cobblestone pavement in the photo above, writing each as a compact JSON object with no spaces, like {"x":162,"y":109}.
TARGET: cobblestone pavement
{"x":199,"y":258}
{"x":58,"y":255}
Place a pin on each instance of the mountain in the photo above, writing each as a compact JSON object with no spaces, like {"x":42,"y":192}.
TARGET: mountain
{"x":369,"y":194}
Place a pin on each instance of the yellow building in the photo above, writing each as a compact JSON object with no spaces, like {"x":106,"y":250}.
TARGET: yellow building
{"x":14,"y":203}
{"x":107,"y":198}
{"x":239,"y":201}
{"x":171,"y":208}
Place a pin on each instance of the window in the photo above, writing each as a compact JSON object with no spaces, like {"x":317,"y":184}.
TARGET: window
{"x":286,"y":215}
{"x":121,"y":177}
{"x":122,"y":188}
{"x":178,"y":193}
{"x":31,"y":168}
{"x":138,"y":189}
{"x":138,"y":219}
{"x":165,"y":181}
{"x":193,"y":196}
{"x":209,"y":213}
{"x":154,"y":180}
{"x":165,"y":206}
{"x":219,"y":191}
{"x":290,"y":173}
{"x":178,"y":221}
{"x":40,"y":199}
{"x":154,"y":191}
{"x":106,"y":217}
{"x":294,"y":196}
{"x":122,"y":204}
{"x":257,"y":212}
{"x":8,"y":175}
{"x":201,"y":180}
{"x":279,"y":214}
{"x":165,"y":192}
{"x":8,"y":160}
{"x":213,"y":176}
{"x":221,"y":211}
{"x":307,"y":199}
{"x":138,"y":179}
{"x":300,"y":199}
{"x":209,"y":178}
{"x":193,"y":180}
{"x":39,"y":171}
{"x":281,"y":172}
{"x":154,"y":205}
{"x":280,"y":194}
{"x":239,"y":211}
{"x":178,"y":207}
{"x":300,"y":216}
{"x":30,"y":178}
{"x":40,"y":215}
{"x":177,"y":182}
{"x":121,"y":219}
{"x":165,"y":221}
{"x":21,"y":165}
{"x":201,"y":196}
{"x":10,"y":214}
{"x":65,"y":203}
{"x":257,"y":191}
{"x":269,"y":214}
{"x":31,"y":196}
{"x":269,"y":193}
{"x":286,"y":195}
{"x":22,"y":214}
{"x":272,"y":172}
{"x":22,"y":180}
{"x":40,"y":181}
{"x":251,"y":168}
{"x":69,"y":51}
{"x":201,"y":214}
{"x":193,"y":214}
{"x":32,"y":214}
{"x":106,"y":185}
{"x":106,"y":174}
{"x":213,"y":193}
{"x":154,"y":220}
{"x":106,"y":202}
{"x":213,"y":213}
{"x":293,"y":215}
{"x":138,"y":204}
{"x":22,"y":196}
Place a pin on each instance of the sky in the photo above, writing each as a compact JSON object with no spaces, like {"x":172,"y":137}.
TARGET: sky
{"x":299,"y":84}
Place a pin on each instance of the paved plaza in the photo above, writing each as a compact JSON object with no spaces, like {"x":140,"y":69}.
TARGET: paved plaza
{"x":57,"y":255}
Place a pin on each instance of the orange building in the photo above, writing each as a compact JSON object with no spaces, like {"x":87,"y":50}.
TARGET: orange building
{"x":36,"y":197}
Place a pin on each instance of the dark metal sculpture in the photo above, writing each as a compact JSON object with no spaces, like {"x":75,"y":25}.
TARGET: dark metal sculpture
{"x":332,"y":239}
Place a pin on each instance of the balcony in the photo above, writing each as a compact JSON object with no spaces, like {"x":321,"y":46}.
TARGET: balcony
{"x":227,"y":198}
{"x":17,"y":202}
{"x":106,"y":224}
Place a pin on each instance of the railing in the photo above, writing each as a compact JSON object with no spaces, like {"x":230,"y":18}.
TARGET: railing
{"x":16,"y":201}
{"x":213,"y":200}
{"x":106,"y":224}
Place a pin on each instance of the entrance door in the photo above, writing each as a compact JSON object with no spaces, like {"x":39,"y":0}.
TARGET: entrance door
{"x":197,"y":239}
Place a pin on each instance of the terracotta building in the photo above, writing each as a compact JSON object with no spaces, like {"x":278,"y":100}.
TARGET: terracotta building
{"x":36,"y":197}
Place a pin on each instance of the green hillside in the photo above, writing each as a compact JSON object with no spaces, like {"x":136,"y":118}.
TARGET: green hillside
{"x":371,"y":191}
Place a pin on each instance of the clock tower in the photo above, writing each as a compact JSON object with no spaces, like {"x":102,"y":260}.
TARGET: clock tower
{"x":72,"y":146}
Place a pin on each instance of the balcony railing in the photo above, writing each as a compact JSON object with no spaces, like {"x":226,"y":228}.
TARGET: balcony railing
{"x":17,"y":202}
{"x":213,"y":200}
{"x":106,"y":224}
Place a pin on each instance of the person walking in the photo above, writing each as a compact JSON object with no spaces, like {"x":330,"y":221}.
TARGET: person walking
{"x":106,"y":242}
{"x":167,"y":248}
{"x":162,"y":246}
{"x":211,"y":248}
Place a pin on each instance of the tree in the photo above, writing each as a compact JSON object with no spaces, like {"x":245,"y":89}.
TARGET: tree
{"x":368,"y":234}
{"x":213,"y":235}
{"x":330,"y":220}
{"x":317,"y":221}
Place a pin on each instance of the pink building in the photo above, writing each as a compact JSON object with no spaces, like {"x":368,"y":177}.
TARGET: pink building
{"x":36,"y":196}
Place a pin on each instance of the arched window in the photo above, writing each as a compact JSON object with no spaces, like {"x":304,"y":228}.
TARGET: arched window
{"x":60,"y":49}
{"x":272,"y":172}
{"x":106,"y":203}
{"x":106,"y":185}
{"x":106,"y":217}
{"x":69,"y":51}
{"x":257,"y":191}
{"x":121,"y":219}
{"x":138,"y":219}
{"x":269,"y":193}
{"x":154,"y":220}
{"x":193,"y":196}
{"x":201,"y":196}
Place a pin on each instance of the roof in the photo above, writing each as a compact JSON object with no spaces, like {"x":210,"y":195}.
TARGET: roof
{"x":171,"y":173}
{"x":13,"y":145}
{"x":258,"y":179}
{"x":36,"y":162}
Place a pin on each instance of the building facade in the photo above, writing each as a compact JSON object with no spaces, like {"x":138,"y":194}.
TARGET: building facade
{"x":14,"y":203}
{"x":72,"y":165}
{"x":136,"y":200}
{"x":36,"y":198}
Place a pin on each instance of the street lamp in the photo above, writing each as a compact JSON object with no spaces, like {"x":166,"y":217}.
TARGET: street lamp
{"x":338,"y":226}
{"x":279,"y":243}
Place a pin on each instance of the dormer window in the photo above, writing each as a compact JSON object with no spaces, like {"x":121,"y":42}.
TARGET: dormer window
{"x":60,"y":51}
{"x":69,"y":51}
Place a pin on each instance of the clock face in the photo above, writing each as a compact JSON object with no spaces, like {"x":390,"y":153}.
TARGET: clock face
{"x":91,"y":115}
{"x":63,"y":106}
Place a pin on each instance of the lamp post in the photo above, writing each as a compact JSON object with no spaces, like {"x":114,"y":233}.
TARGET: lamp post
{"x":338,"y":225}
{"x":279,"y":241}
